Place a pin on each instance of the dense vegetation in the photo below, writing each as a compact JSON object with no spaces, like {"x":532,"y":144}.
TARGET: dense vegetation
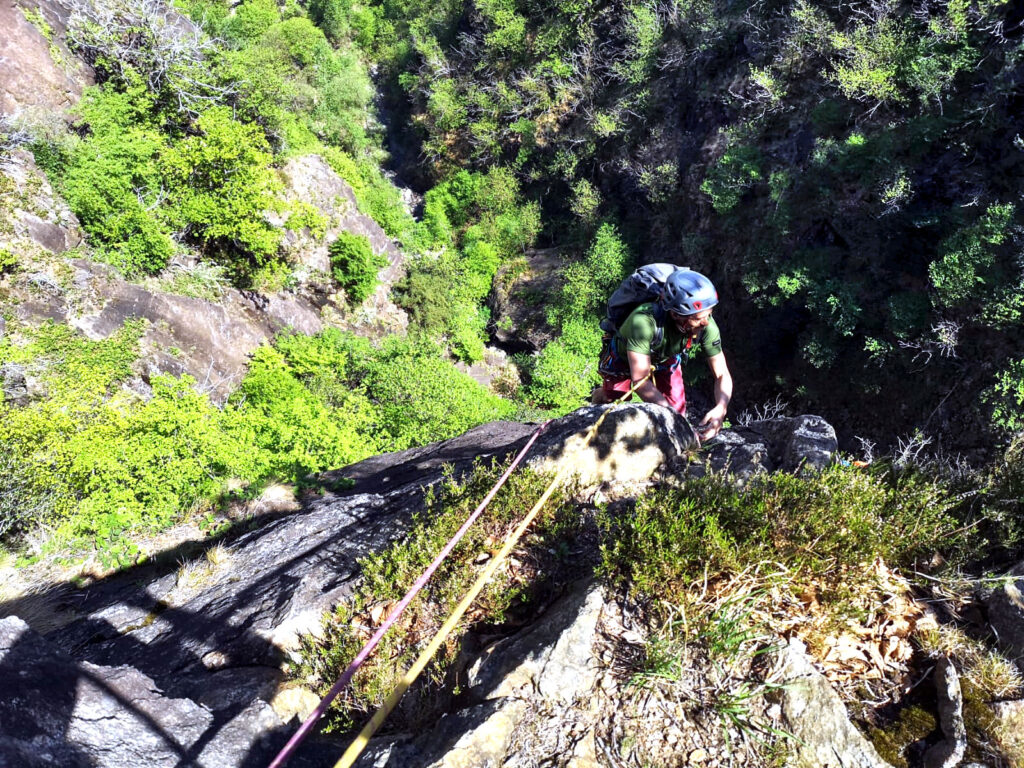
{"x":849,"y":176}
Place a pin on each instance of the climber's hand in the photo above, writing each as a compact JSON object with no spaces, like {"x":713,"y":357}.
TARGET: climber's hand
{"x":711,"y":424}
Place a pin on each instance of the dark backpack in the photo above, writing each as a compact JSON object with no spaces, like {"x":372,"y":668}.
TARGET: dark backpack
{"x":643,"y":286}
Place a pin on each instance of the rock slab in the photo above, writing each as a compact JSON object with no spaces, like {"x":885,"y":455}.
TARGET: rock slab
{"x":815,"y":715}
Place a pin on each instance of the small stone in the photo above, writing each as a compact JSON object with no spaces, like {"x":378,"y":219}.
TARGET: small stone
{"x":698,"y":756}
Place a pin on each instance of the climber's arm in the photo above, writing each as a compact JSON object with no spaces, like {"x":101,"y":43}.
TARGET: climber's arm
{"x":714,"y":418}
{"x":640,"y":370}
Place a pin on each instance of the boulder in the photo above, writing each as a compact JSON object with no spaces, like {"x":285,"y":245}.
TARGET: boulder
{"x":1005,"y":605}
{"x":949,"y":752}
{"x":791,"y":444}
{"x":815,"y":715}
{"x":554,"y":657}
{"x":15,"y":386}
{"x":635,"y":442}
{"x":1009,"y":730}
{"x":523,"y":291}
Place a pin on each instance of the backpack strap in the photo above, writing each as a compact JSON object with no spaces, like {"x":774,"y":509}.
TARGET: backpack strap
{"x":658,"y":313}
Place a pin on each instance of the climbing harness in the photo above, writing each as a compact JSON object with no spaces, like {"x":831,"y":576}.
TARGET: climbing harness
{"x":357,"y":746}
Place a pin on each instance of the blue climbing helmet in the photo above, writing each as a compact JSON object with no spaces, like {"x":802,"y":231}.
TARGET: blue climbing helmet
{"x":687,"y":292}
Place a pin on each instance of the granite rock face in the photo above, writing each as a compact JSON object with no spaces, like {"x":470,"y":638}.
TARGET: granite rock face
{"x":186,"y":669}
{"x":634,"y":443}
{"x":115,"y":716}
{"x":37,"y":71}
{"x":309,"y":179}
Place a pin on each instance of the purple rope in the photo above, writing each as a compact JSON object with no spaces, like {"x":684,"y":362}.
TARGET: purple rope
{"x":346,"y":676}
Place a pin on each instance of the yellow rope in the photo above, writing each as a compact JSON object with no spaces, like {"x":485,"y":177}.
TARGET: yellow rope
{"x":357,"y":746}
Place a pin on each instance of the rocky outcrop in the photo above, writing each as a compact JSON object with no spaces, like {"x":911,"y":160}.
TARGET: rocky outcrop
{"x":37,"y":71}
{"x":185,"y":662}
{"x":309,"y":179}
{"x":34,"y":216}
{"x":634,"y":443}
{"x":537,"y":682}
{"x":523,"y":291}
{"x":797,"y":444}
{"x":815,"y":715}
{"x":949,"y":752}
{"x":115,"y":716}
{"x":206,"y":339}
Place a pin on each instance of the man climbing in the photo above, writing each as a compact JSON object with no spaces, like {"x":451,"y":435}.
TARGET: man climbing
{"x":656,"y":335}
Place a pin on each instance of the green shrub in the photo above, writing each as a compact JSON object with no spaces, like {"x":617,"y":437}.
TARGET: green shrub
{"x":112,"y":180}
{"x":251,"y":19}
{"x":589,"y":283}
{"x":814,"y":526}
{"x":355,"y":266}
{"x":420,"y":396}
{"x":565,"y":371}
{"x":967,"y":257}
{"x":643,"y":37}
{"x":731,"y":176}
{"x":221,"y":184}
{"x":299,"y":431}
{"x":1006,"y":398}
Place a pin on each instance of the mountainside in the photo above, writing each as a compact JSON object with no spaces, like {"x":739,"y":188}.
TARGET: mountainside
{"x":284,"y":284}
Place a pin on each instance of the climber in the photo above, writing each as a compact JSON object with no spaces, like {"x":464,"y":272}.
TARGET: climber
{"x":656,"y":335}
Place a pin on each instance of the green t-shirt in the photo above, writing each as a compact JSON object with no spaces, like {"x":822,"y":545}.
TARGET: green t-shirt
{"x":638,"y":331}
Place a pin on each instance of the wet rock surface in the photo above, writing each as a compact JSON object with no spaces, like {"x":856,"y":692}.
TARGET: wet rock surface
{"x":194,"y":657}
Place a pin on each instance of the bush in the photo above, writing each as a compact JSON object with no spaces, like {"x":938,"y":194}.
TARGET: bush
{"x":731,"y":176}
{"x":815,"y":526}
{"x":299,"y":431}
{"x":589,"y":284}
{"x":251,"y":19}
{"x":355,"y":266}
{"x":112,"y":181}
{"x":967,"y":257}
{"x":1007,"y":399}
{"x":421,"y":397}
{"x":221,"y":184}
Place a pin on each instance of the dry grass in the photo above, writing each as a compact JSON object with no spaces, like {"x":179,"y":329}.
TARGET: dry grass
{"x":988,"y":669}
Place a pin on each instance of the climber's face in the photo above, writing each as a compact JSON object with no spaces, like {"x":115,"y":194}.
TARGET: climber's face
{"x":692,"y":325}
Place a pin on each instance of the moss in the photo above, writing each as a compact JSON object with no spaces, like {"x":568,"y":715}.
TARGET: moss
{"x":982,"y":725}
{"x":914,"y":724}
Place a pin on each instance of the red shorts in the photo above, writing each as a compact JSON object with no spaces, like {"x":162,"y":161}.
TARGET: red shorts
{"x":669,"y":383}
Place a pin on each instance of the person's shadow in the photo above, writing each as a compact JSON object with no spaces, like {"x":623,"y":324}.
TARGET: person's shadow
{"x":213,"y":658}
